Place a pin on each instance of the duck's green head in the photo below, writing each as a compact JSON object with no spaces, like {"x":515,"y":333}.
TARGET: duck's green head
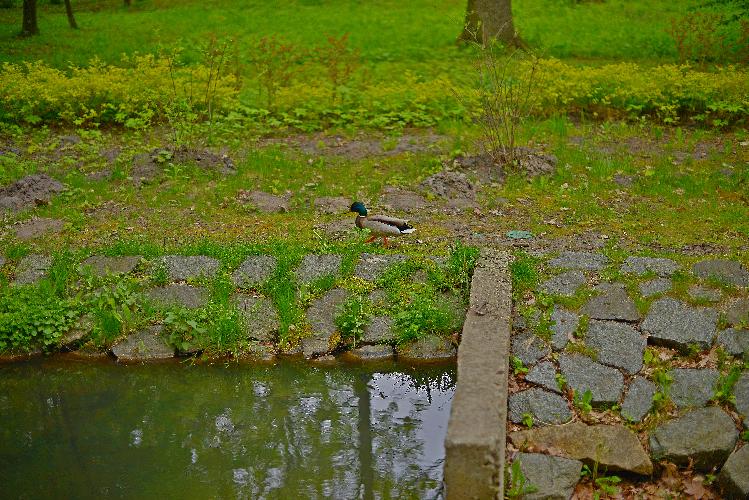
{"x":359,"y":208}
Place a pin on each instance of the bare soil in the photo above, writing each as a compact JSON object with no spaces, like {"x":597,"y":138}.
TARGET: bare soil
{"x":30,"y":191}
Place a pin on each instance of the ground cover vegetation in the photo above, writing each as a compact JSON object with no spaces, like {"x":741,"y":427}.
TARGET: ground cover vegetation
{"x":301,"y":115}
{"x":38,"y":316}
{"x":233,"y":129}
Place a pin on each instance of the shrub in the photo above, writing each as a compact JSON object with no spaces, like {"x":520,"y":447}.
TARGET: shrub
{"x":668,"y":92}
{"x":149,"y":89}
{"x":276,"y":61}
{"x":133,"y":95}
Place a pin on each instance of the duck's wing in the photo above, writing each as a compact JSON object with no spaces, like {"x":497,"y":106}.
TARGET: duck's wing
{"x":388,"y":225}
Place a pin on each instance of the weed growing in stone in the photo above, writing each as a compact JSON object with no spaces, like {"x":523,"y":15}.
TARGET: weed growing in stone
{"x":524,"y":272}
{"x":516,"y":484}
{"x":422,"y":316}
{"x":724,"y":388}
{"x":583,"y":402}
{"x":561,"y":381}
{"x":662,"y":398}
{"x":527,"y":420}
{"x":353,"y":319}
{"x":518,"y":367}
{"x":605,"y":485}
{"x":116,"y":309}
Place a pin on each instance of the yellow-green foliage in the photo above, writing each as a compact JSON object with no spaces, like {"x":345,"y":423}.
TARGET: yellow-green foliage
{"x":144,"y":89}
{"x":133,"y":94}
{"x":669,"y":91}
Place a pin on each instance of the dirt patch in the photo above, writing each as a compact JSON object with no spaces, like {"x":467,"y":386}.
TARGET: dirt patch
{"x":30,"y":191}
{"x":450,"y":185}
{"x":35,"y":228}
{"x":332,"y":204}
{"x":337,"y":229}
{"x":362,"y":146}
{"x":401,"y":200}
{"x":623,"y":180}
{"x":99,"y":175}
{"x":264,"y":202}
{"x":488,"y":169}
{"x":701,"y":151}
{"x":111,"y":154}
{"x":147,"y":166}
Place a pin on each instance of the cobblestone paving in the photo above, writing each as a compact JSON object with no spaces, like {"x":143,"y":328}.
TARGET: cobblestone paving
{"x":649,"y":342}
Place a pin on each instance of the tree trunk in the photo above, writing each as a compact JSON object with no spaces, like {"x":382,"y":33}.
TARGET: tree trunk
{"x":472,"y":25}
{"x":29,"y":26}
{"x":71,"y":17}
{"x":488,"y":20}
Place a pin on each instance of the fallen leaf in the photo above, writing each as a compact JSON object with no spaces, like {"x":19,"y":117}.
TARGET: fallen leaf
{"x":694,"y":487}
{"x":671,"y":478}
{"x":583,"y":491}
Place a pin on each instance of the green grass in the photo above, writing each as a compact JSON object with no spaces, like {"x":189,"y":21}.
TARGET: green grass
{"x":388,"y":33}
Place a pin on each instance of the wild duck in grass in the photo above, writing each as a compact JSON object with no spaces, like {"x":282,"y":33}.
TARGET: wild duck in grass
{"x":380,"y":226}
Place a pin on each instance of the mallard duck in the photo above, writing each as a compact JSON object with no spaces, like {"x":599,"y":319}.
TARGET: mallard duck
{"x":380,"y":225}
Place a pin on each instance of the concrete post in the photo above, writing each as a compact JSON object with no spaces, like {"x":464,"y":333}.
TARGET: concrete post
{"x":475,"y":443}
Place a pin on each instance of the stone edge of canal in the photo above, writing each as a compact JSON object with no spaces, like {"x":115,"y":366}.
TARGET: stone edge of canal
{"x":475,"y":442}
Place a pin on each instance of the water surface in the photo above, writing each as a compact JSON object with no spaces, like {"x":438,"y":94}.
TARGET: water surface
{"x":75,"y":429}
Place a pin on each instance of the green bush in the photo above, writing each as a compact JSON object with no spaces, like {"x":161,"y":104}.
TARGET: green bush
{"x":146,"y":89}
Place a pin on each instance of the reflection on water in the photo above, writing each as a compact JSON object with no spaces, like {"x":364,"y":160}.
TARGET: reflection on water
{"x":82,"y":430}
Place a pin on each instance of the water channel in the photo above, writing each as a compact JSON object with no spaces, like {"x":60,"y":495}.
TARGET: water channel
{"x":81,"y":429}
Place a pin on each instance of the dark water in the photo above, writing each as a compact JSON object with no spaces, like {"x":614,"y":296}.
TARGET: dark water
{"x":74,"y":429}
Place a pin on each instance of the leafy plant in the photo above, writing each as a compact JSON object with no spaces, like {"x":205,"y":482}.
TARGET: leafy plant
{"x":115,"y":309}
{"x":422,"y":316}
{"x":527,"y":420}
{"x":34,"y":318}
{"x":516,"y":484}
{"x":607,"y":485}
{"x":159,"y":275}
{"x":583,"y":402}
{"x":663,"y":380}
{"x":353,"y":319}
{"x":724,"y":387}
{"x":561,"y":381}
{"x":604,"y":484}
{"x":518,"y":367}
{"x":187,"y":329}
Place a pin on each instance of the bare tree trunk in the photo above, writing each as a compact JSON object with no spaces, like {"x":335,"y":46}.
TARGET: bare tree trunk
{"x":488,"y":20}
{"x":29,"y":26}
{"x":71,"y":17}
